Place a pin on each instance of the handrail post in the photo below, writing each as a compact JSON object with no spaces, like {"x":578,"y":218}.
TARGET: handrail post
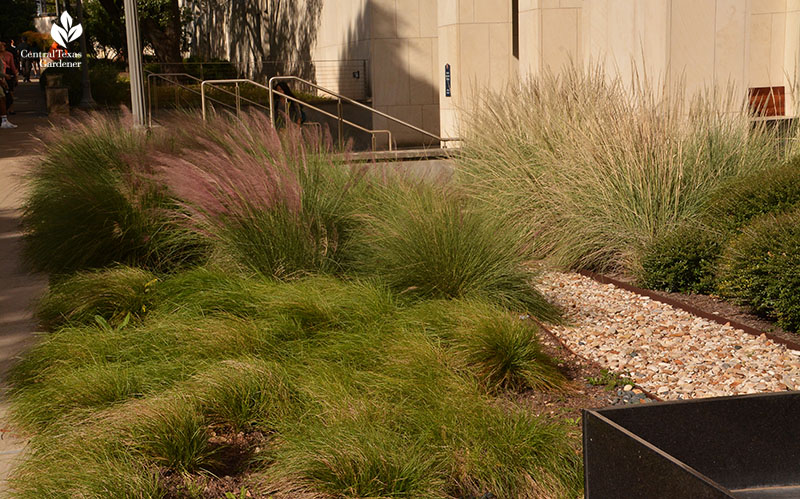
{"x":203,"y":98}
{"x":271,"y":103}
{"x":149,"y":102}
{"x":339,"y":113}
{"x":238,"y":102}
{"x":156,"y":97}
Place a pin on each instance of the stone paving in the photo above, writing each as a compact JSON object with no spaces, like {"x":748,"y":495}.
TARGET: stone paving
{"x":18,"y":288}
{"x":666,"y":351}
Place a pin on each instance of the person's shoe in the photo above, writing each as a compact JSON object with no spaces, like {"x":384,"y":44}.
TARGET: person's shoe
{"x":8,"y":124}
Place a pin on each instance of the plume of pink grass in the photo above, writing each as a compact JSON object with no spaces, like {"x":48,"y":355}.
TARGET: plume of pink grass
{"x":236,"y":167}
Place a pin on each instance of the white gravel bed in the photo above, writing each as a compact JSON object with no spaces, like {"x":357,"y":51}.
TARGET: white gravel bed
{"x":667,"y":351}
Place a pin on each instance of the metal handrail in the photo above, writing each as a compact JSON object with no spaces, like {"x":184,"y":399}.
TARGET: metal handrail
{"x":354,"y":102}
{"x":185,"y":87}
{"x":294,"y":99}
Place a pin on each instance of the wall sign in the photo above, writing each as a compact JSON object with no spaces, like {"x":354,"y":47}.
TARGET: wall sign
{"x":447,"y":80}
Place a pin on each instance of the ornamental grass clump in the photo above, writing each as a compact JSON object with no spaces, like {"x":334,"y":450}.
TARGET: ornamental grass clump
{"x":113,"y":295}
{"x":431,"y":241}
{"x":593,"y":169}
{"x":341,"y":388}
{"x":280,"y":204}
{"x":91,"y":203}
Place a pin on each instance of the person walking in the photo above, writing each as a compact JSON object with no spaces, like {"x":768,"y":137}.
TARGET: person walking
{"x":4,"y":123}
{"x":10,"y":76}
{"x":25,"y":59}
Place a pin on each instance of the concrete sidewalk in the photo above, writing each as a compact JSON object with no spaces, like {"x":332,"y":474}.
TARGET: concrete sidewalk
{"x":18,"y":288}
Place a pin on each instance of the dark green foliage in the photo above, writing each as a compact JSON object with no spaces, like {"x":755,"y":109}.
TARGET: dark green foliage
{"x":430,"y":241}
{"x":112,"y":294}
{"x":17,"y":18}
{"x":682,"y":260}
{"x":108,"y":89}
{"x":89,"y":206}
{"x":761,"y":267}
{"x":773,"y":190}
{"x":686,"y":258}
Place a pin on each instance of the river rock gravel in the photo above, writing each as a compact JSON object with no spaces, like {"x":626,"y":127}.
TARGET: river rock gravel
{"x":667,"y":351}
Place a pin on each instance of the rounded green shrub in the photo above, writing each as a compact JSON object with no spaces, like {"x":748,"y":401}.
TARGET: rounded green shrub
{"x":772,"y":190}
{"x":683,"y":260}
{"x":761,"y":267}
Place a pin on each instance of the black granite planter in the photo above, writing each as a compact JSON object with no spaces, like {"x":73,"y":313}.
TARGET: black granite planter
{"x":743,"y":447}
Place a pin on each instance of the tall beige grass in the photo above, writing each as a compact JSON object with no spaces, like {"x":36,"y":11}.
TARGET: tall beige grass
{"x":593,"y":169}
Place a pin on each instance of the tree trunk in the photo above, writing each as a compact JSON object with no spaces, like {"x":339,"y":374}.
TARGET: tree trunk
{"x":166,"y":41}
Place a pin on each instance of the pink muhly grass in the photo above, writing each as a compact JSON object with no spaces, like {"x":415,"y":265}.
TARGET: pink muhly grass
{"x":236,"y":168}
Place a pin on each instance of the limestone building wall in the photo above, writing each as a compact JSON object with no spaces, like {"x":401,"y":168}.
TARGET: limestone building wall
{"x":398,"y":41}
{"x":475,"y":40}
{"x":698,"y":44}
{"x":489,"y":43}
{"x":403,"y":62}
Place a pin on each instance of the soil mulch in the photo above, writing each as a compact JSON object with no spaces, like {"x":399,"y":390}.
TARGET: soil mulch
{"x":233,"y":454}
{"x":580,"y":393}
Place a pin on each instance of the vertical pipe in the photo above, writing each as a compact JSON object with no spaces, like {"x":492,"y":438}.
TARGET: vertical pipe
{"x":271,"y":104}
{"x":87,"y":102}
{"x":339,"y":112}
{"x":135,"y":62}
{"x":203,"y":98}
{"x":156,"y":98}
{"x":238,"y":102}
{"x":149,"y":102}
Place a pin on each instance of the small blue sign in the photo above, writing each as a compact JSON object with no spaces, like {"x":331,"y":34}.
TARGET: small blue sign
{"x":447,"y":80}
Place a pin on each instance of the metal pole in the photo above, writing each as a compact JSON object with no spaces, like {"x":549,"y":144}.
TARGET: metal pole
{"x":149,"y":101}
{"x":87,"y":102}
{"x":271,"y":105}
{"x":238,"y":102}
{"x":135,"y":62}
{"x":203,"y":98}
{"x":339,"y":113}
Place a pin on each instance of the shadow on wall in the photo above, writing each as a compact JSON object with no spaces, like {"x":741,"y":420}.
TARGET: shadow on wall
{"x":400,"y":69}
{"x":261,"y":37}
{"x":401,"y":72}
